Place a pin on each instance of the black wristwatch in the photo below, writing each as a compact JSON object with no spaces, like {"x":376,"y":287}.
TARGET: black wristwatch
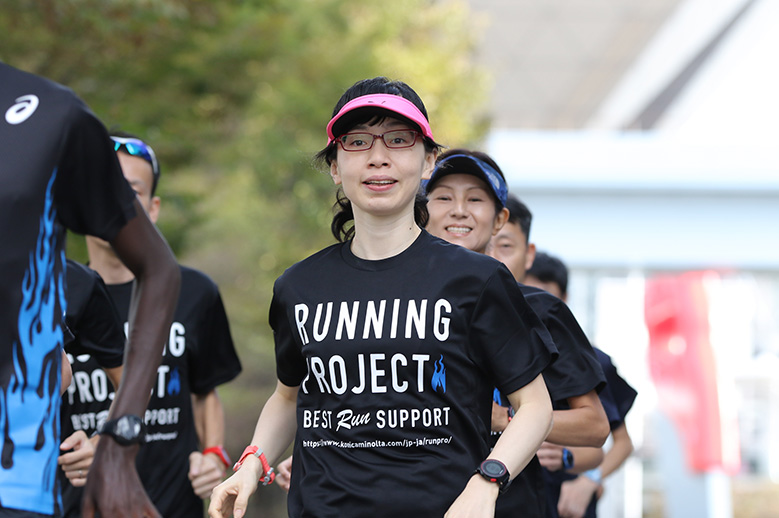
{"x":567,"y":459}
{"x":126,"y":430}
{"x":495,"y":471}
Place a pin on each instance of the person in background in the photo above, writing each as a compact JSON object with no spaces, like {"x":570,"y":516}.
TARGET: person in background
{"x":579,"y":495}
{"x":183,"y":458}
{"x":469,"y":204}
{"x":389,"y":345}
{"x":59,"y":171}
{"x":94,"y":343}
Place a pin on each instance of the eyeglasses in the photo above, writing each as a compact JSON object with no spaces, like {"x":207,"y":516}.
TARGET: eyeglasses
{"x":139,"y":148}
{"x":397,"y":139}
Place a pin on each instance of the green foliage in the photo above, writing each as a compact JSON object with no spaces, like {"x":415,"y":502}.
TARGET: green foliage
{"x":234,"y":96}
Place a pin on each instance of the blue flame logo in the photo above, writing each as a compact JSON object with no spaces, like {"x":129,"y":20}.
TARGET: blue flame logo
{"x":439,"y":376}
{"x":30,"y":403}
{"x":174,"y":383}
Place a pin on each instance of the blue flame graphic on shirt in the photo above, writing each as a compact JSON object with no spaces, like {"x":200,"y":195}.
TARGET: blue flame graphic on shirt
{"x":30,"y":403}
{"x":439,"y":376}
{"x":174,"y":383}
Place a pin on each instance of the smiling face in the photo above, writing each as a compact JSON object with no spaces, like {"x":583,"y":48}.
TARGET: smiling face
{"x":382,"y":182}
{"x":462,"y":211}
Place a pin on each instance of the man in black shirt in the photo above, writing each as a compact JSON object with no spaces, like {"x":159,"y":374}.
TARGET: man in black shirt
{"x":178,"y":468}
{"x":567,"y":382}
{"x":569,"y":494}
{"x":94,"y":345}
{"x":58,"y":171}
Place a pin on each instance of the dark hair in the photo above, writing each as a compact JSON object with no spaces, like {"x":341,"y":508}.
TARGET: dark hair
{"x":344,"y":214}
{"x":547,"y":268}
{"x":377,"y":85}
{"x":484,"y":157}
{"x":520,"y":215}
{"x":155,"y":175}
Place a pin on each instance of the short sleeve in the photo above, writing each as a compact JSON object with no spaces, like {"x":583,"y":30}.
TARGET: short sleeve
{"x":94,"y":321}
{"x":91,"y":193}
{"x":506,"y":336}
{"x":291,"y":366}
{"x":216,"y":361}
{"x":577,"y":370}
{"x":618,"y":396}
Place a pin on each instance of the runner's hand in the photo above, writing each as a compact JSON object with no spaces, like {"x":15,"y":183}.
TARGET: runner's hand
{"x":76,"y":463}
{"x":205,"y":473}
{"x":476,"y":501}
{"x":113,"y":487}
{"x":551,"y":456}
{"x":575,"y":496}
{"x":284,"y":474}
{"x":232,"y":495}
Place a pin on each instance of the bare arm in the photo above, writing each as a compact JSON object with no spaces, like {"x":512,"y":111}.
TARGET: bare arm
{"x":551,"y":457}
{"x":274,"y":432}
{"x":113,"y":487}
{"x":115,"y":375}
{"x":209,"y":418}
{"x":515,"y":448}
{"x":621,"y":449}
{"x":206,"y":471}
{"x":575,"y":495}
{"x":584,"y":424}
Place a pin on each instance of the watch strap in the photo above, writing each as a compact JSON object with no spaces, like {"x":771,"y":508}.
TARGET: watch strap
{"x":109,"y":427}
{"x":594,"y":474}
{"x":567,"y":459}
{"x":220,"y":452}
{"x":268,"y":475}
{"x":502,"y":480}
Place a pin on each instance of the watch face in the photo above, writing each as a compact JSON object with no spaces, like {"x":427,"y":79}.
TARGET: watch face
{"x":567,"y":458}
{"x":493,"y":468}
{"x":128,"y":427}
{"x":126,"y":430}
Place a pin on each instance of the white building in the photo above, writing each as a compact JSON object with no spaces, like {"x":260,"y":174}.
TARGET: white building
{"x":661,"y":155}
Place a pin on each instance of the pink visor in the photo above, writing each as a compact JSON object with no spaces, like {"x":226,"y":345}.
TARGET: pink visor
{"x":389,"y":102}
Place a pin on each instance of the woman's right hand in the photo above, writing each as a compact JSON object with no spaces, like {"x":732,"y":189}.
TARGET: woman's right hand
{"x":284,"y":474}
{"x":231,"y":497}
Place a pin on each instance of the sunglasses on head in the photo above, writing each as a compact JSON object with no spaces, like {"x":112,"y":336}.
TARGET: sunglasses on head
{"x":139,"y":148}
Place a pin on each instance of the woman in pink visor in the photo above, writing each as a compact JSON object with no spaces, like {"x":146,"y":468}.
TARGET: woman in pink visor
{"x":390,"y":342}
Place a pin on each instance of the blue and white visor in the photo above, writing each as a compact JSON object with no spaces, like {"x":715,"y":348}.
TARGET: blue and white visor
{"x":466,"y":164}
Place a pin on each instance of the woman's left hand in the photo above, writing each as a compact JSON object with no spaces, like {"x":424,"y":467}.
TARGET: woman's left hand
{"x":476,"y":501}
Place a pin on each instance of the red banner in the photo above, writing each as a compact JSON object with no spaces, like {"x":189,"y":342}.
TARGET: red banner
{"x":682,"y":366}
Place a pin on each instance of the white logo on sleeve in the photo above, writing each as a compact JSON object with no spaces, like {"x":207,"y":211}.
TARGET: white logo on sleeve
{"x":21,"y":111}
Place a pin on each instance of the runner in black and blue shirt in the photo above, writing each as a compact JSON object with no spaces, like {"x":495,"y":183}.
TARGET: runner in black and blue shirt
{"x":58,"y":170}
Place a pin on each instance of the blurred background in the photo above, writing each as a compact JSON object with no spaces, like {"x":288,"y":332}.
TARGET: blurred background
{"x":642,"y":135}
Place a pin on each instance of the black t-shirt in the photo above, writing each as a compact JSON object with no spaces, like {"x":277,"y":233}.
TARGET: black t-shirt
{"x":58,"y":170}
{"x":97,"y":340}
{"x":617,"y":398}
{"x":396,"y":361}
{"x":199,"y":356}
{"x":575,"y":372}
